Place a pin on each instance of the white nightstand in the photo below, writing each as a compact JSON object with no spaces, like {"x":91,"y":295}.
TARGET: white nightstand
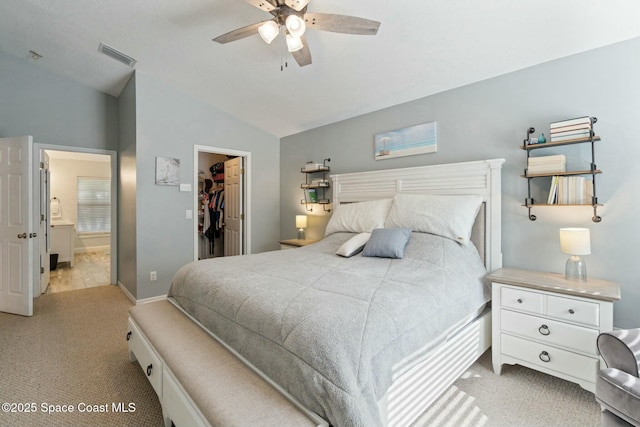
{"x":295,"y":243}
{"x":548,"y":323}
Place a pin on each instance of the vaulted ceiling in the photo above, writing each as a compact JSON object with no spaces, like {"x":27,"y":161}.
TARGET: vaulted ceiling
{"x":422,"y":47}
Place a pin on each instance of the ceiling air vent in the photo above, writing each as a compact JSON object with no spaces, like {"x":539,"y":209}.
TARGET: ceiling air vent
{"x":117,"y":55}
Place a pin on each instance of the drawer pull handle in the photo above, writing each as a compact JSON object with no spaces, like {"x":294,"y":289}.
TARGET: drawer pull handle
{"x":544,"y":356}
{"x":128,"y":335}
{"x":519,"y":300}
{"x":544,"y":330}
{"x":149,"y":369}
{"x":571,"y":311}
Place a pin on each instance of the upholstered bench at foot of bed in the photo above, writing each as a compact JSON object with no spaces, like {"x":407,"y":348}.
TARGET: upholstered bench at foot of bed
{"x":188,"y":361}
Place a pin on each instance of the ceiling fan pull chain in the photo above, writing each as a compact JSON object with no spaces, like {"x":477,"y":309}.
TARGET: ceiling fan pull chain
{"x":282,"y":45}
{"x":283,"y":51}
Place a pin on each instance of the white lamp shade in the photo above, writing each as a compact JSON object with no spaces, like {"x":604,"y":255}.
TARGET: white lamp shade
{"x":294,"y":44}
{"x":575,"y":241}
{"x":269,"y":31}
{"x":301,"y":221}
{"x":295,"y":25}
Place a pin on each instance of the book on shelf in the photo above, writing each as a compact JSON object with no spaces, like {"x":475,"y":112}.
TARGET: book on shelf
{"x":566,"y":136}
{"x":320,"y":182}
{"x":570,"y":190}
{"x":310,"y":166}
{"x":553,"y":190}
{"x":547,"y":159}
{"x":546,"y":164}
{"x":578,"y":127}
{"x":571,"y":122}
{"x":313,"y":196}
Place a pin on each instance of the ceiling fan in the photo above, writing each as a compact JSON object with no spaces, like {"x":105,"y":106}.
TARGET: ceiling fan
{"x":292,"y":17}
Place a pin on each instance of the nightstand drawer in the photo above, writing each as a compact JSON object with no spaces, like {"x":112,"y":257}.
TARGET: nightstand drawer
{"x":549,"y":357}
{"x":584,"y":312}
{"x":563,"y":335}
{"x":522,"y":300}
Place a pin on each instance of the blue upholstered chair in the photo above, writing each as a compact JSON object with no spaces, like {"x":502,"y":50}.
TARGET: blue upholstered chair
{"x":618,"y":385}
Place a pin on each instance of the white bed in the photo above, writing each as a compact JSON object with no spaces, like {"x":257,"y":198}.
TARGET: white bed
{"x":411,"y":388}
{"x":417,"y":389}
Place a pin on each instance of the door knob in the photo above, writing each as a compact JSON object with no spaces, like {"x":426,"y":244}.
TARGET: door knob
{"x":31,"y":235}
{"x":22,"y":236}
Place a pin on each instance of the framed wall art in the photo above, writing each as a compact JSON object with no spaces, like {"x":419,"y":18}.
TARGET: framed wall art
{"x":167,"y":171}
{"x":408,"y":141}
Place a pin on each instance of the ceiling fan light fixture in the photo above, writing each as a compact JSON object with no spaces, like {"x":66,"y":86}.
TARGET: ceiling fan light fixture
{"x":269,"y":31}
{"x":294,"y":44}
{"x":295,"y":25}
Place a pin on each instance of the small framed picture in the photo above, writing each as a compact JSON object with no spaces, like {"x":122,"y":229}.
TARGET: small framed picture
{"x":167,"y":171}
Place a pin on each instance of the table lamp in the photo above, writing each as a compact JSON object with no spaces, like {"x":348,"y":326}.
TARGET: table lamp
{"x":301,"y":224}
{"x":575,"y":241}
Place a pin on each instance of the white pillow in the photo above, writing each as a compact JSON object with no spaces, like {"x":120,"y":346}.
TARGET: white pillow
{"x":354,"y":245}
{"x":446,"y":216}
{"x":360,"y":217}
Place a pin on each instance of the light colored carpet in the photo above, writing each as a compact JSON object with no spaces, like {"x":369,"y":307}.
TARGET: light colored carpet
{"x":74,"y":351}
{"x":518,"y":397}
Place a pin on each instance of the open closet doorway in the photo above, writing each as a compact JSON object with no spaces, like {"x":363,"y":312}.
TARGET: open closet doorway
{"x":77,"y":190}
{"x":221,"y":202}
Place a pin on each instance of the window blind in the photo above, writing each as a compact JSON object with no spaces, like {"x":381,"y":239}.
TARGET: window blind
{"x":94,"y":205}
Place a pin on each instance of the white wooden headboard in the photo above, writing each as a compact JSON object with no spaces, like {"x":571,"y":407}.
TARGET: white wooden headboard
{"x":479,"y":177}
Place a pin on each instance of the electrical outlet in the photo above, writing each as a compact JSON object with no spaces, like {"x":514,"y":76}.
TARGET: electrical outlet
{"x":153,"y":276}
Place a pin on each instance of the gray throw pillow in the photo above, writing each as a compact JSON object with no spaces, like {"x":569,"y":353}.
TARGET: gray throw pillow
{"x":387,"y":243}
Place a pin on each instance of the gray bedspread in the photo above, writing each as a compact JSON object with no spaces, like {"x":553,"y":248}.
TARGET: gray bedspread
{"x":331,"y":330}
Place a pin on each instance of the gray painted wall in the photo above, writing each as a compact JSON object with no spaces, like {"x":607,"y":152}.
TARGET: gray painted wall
{"x":127,"y":231}
{"x":147,"y":120}
{"x":169,"y":124}
{"x":488,"y":120}
{"x":54,"y":109}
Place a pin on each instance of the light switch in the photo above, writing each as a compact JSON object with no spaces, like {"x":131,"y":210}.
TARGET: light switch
{"x":185,"y":187}
{"x":189,"y":214}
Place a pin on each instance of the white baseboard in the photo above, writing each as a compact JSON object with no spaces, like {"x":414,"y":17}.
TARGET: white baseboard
{"x":151,"y":299}
{"x":126,"y":292}
{"x":139,"y":301}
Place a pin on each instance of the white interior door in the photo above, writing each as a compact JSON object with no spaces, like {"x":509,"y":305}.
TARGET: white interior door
{"x":16,"y":209}
{"x":233,"y":206}
{"x":45,"y":245}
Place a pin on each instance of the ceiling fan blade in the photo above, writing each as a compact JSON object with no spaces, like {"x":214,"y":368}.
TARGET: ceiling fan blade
{"x":296,"y":5}
{"x":302,"y":56}
{"x":266,"y":5}
{"x":240,"y":33}
{"x":341,"y":23}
